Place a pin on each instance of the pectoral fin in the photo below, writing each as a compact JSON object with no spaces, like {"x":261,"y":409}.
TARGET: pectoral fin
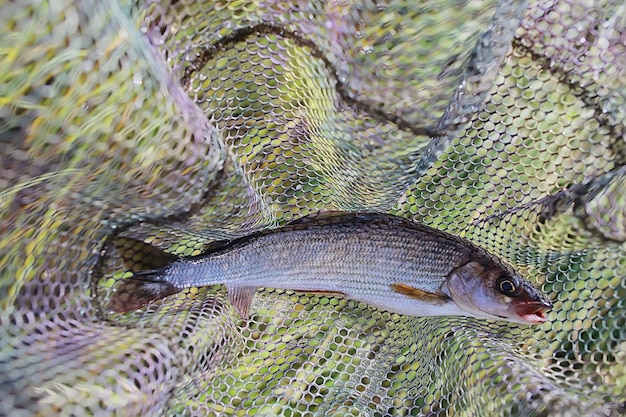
{"x":418,"y":294}
{"x":241,"y":298}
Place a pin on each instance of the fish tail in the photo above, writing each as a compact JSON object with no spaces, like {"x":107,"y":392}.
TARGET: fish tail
{"x":136,"y":292}
{"x":148,"y":265}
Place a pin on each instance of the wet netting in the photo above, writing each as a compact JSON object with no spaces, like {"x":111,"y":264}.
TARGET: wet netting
{"x":183,"y":123}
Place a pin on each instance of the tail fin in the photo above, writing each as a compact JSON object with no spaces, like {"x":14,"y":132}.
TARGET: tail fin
{"x":148,"y":265}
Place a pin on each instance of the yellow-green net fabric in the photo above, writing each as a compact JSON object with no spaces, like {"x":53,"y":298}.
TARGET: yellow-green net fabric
{"x":180,"y":124}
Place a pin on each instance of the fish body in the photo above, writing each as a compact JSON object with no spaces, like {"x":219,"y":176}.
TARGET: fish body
{"x":382,"y":260}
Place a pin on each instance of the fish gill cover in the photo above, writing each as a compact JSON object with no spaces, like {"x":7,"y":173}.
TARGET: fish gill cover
{"x":185,"y":123}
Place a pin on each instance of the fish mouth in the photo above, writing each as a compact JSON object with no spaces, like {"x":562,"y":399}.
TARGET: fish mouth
{"x":533,"y":312}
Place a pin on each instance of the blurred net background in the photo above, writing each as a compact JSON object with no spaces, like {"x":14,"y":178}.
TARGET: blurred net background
{"x":185,"y":122}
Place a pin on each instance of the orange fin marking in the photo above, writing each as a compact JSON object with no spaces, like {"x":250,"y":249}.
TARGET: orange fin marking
{"x":418,"y":294}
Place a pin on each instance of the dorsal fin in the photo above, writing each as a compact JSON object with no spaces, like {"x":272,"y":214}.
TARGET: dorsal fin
{"x":139,"y":256}
{"x":331,"y":216}
{"x":216,"y":245}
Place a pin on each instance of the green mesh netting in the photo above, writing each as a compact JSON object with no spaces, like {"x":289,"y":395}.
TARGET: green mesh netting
{"x":184,"y":123}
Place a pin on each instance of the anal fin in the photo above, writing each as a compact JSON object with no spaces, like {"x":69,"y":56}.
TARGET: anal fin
{"x":418,"y":294}
{"x":241,"y":298}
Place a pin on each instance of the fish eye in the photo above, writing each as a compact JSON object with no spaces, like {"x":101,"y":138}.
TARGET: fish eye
{"x":506,"y":285}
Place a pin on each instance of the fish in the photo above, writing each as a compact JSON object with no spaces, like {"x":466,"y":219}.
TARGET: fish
{"x":383,"y":260}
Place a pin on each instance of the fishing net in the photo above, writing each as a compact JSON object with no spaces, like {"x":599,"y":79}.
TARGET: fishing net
{"x":185,"y":123}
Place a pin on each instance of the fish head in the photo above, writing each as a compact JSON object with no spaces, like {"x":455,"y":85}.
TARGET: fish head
{"x":489,"y":291}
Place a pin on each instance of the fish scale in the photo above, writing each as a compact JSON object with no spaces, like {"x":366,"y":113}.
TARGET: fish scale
{"x":291,"y":257}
